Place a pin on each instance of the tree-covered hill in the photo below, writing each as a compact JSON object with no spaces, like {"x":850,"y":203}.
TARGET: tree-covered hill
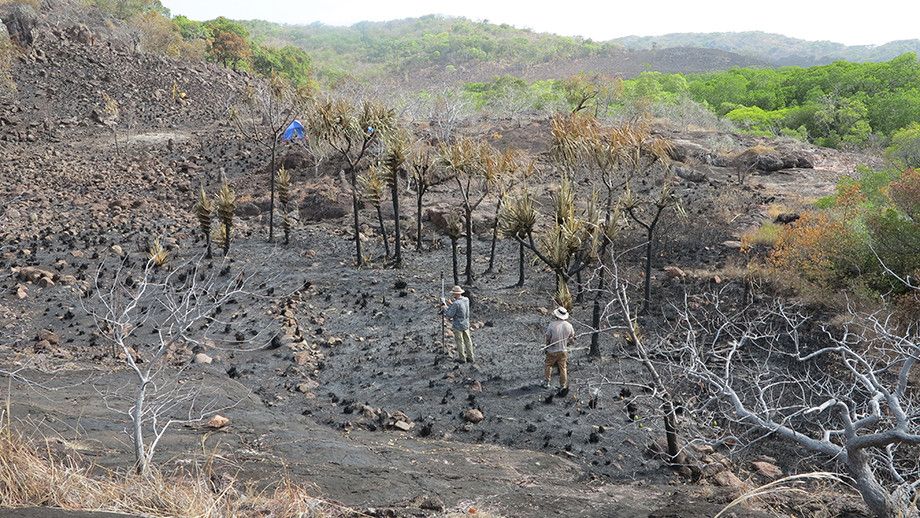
{"x":432,"y":46}
{"x":775,"y":48}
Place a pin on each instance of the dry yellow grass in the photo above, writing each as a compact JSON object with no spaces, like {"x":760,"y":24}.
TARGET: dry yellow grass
{"x":32,"y":476}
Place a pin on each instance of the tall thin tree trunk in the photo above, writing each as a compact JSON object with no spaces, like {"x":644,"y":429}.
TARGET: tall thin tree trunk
{"x":595,"y":349}
{"x":137,"y":415}
{"x":418,"y":221}
{"x":359,"y":257}
{"x":498,"y":208}
{"x":453,"y":249}
{"x":520,"y":281}
{"x":207,"y":239}
{"x":397,"y":234}
{"x":579,"y":288}
{"x":649,"y":250}
{"x":469,"y":247}
{"x":383,"y":232}
{"x":227,"y":230}
{"x":271,"y":205}
{"x":670,"y":430}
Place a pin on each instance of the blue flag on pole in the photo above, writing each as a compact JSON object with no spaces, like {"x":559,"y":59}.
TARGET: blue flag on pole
{"x":294,"y":131}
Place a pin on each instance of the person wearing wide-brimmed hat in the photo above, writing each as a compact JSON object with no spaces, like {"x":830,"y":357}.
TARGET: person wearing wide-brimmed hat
{"x":459,"y":313}
{"x":559,"y":335}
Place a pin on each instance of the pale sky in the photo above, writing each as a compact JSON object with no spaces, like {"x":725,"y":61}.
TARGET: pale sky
{"x":843,"y":21}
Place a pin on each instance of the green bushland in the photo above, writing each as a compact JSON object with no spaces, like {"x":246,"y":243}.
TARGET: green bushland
{"x":219,"y":40}
{"x":830,"y":105}
{"x":858,"y":237}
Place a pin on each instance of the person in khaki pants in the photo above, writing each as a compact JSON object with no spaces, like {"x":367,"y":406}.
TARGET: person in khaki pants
{"x":559,"y":335}
{"x":459,"y":313}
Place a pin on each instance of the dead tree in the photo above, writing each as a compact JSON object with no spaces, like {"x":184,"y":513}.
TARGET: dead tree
{"x":150,"y":316}
{"x":262,"y":115}
{"x":422,"y":168}
{"x":454,"y":233}
{"x":372,"y":187}
{"x":510,"y":169}
{"x":840,"y":391}
{"x":351,"y":132}
{"x":465,"y":160}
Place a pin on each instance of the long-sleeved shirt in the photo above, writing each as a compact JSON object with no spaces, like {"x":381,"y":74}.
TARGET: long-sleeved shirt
{"x":559,"y":334}
{"x":459,"y":313}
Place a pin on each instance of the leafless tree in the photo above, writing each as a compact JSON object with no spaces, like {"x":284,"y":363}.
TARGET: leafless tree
{"x":262,"y":115}
{"x":841,"y":391}
{"x":149,"y":316}
{"x":447,"y":111}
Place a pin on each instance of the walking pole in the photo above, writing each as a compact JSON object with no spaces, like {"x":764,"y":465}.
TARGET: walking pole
{"x":443,"y":317}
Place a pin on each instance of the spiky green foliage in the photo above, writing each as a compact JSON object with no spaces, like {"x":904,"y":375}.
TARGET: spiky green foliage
{"x":518,"y":217}
{"x":226,"y":207}
{"x":350,"y":132}
{"x":283,"y":182}
{"x":397,"y":151}
{"x":157,"y":254}
{"x":204,"y":211}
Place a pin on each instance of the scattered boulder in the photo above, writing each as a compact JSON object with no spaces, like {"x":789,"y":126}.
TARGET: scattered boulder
{"x":768,"y":163}
{"x":684,"y":150}
{"x":473,"y":415}
{"x":767,"y":470}
{"x":673,"y":272}
{"x":218,"y":421}
{"x":248,"y":210}
{"x":786,"y":217}
{"x":20,"y":21}
{"x":691,"y":175}
{"x":324,"y":203}
{"x":726,"y":478}
{"x":203,"y":359}
{"x":797,"y":160}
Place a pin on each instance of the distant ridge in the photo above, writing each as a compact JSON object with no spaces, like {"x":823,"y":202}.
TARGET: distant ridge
{"x":775,"y":48}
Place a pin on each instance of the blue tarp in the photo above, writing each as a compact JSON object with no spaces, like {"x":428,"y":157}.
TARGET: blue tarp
{"x":294,"y":131}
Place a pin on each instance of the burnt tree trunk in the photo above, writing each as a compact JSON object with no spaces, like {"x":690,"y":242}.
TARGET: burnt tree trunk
{"x":469,"y":247}
{"x":359,"y":258}
{"x":520,"y":281}
{"x":498,"y":208}
{"x":397,"y":234}
{"x":418,"y":221}
{"x":453,"y":251}
{"x":383,"y":232}
{"x":271,"y":182}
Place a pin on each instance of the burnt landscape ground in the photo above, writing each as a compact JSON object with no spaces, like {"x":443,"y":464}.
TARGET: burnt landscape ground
{"x":345,"y":386}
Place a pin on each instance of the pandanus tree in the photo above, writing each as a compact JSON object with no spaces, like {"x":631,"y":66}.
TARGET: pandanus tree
{"x":454,"y":233}
{"x":373,"y":187}
{"x":641,"y":167}
{"x":351,"y":132}
{"x":394,"y":162}
{"x":421,"y":165}
{"x":466,"y":162}
{"x":204,"y":211}
{"x":570,"y":244}
{"x":288,"y":216}
{"x":509,"y":167}
{"x":226,"y":206}
{"x":516,"y":221}
{"x":623,"y":157}
{"x":262,"y":115}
